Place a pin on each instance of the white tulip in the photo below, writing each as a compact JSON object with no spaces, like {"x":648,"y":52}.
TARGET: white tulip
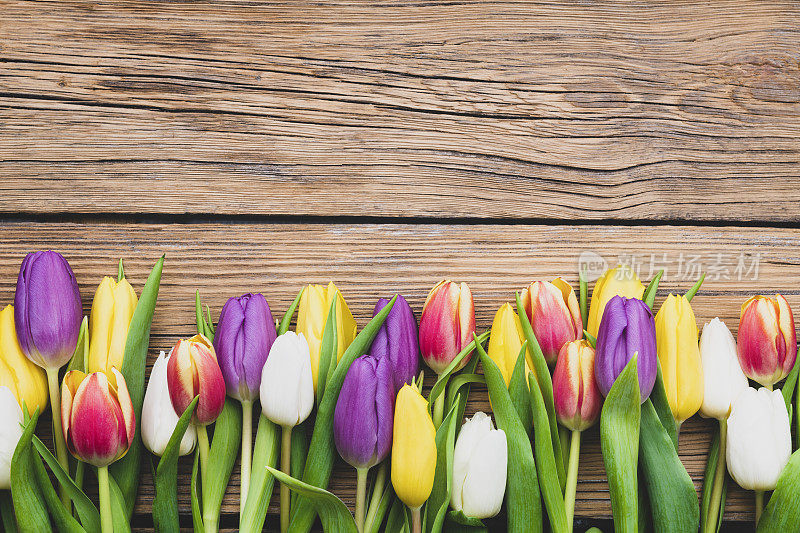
{"x":759,"y":440}
{"x":287,"y":387}
{"x":158,"y":416}
{"x":723,"y":379}
{"x":10,"y":432}
{"x":480,"y":464}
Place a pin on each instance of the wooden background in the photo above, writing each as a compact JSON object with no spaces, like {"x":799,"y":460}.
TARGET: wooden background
{"x":387,"y":144}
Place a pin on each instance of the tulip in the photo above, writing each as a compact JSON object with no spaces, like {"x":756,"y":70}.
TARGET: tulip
{"x":158,"y":416}
{"x":723,"y":381}
{"x":112,"y":310}
{"x":759,"y":441}
{"x":554,"y":314}
{"x":679,"y":355}
{"x":505,"y":340}
{"x":287,"y":396}
{"x":192,"y":370}
{"x":47,"y":317}
{"x":11,"y":416}
{"x":619,"y":281}
{"x":767,"y":340}
{"x":627,"y":328}
{"x":25,"y":379}
{"x":577,"y":402}
{"x":447,"y":325}
{"x":312,"y":314}
{"x":397,"y":339}
{"x":480,"y":467}
{"x":362,"y":420}
{"x":413,"y":451}
{"x":99,"y":424}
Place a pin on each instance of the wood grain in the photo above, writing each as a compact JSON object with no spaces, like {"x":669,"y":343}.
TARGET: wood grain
{"x":539,"y":110}
{"x":373,"y":260}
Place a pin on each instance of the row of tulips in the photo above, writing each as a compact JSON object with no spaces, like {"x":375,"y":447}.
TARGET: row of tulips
{"x":555,"y":364}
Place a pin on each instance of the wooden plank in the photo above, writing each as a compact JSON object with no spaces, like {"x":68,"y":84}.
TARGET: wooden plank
{"x":537,"y":110}
{"x":369,"y":261}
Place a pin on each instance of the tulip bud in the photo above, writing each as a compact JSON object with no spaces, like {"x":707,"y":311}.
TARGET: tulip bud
{"x":679,"y":355}
{"x":97,"y":416}
{"x":480,"y":467}
{"x":397,"y":339}
{"x":627,"y":328}
{"x":575,"y":393}
{"x":47,"y":309}
{"x":505,"y":341}
{"x":244,"y":336}
{"x":312,"y":314}
{"x":25,"y":380}
{"x":158,"y":416}
{"x":112,"y":311}
{"x":362,"y":421}
{"x":192,"y":370}
{"x":413,"y":449}
{"x":554,"y":314}
{"x":759,"y":440}
{"x":723,"y":379}
{"x":10,"y":433}
{"x":619,"y":281}
{"x":447,"y":325}
{"x":767,"y":340}
{"x":287,"y":390}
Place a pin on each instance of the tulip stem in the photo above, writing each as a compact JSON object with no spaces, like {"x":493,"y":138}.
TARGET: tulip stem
{"x":58,"y":431}
{"x":438,"y":411}
{"x":246,"y":462}
{"x":759,"y":504}
{"x":203,"y":449}
{"x":416,"y":520}
{"x":106,"y":522}
{"x":572,"y":477}
{"x":377,"y":494}
{"x":286,"y":468}
{"x":719,"y":479}
{"x":361,"y":496}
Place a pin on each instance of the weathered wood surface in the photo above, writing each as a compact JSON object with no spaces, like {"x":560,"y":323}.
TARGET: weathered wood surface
{"x":373,"y":260}
{"x":538,"y":110}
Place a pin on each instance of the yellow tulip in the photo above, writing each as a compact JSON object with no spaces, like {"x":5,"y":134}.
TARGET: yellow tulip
{"x":112,"y":310}
{"x":679,"y":355}
{"x":25,"y":379}
{"x":312,"y":315}
{"x":505,"y":341}
{"x":413,"y":448}
{"x":619,"y":281}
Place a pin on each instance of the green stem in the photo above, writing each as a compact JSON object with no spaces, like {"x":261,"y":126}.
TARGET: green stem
{"x":361,"y":496}
{"x":58,"y":431}
{"x":106,"y":521}
{"x":286,"y":467}
{"x":572,"y":477}
{"x":563,"y":436}
{"x":438,"y":411}
{"x":416,"y":520}
{"x":377,"y":493}
{"x":759,"y":505}
{"x":719,"y":479}
{"x":202,"y":445}
{"x":247,"y":453}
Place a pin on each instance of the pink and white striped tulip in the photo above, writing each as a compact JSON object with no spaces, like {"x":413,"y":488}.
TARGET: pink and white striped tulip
{"x":575,"y":393}
{"x":554,"y":314}
{"x":192,"y":370}
{"x":97,"y":416}
{"x":447,"y":324}
{"x":767,"y":344}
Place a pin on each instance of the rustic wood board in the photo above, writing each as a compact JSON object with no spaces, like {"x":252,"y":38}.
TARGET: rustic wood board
{"x":373,"y":260}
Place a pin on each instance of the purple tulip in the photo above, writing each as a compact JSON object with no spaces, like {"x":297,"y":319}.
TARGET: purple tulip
{"x":397,"y":339}
{"x":627,"y":327}
{"x":364,"y":415}
{"x":245,"y":333}
{"x":47,"y":309}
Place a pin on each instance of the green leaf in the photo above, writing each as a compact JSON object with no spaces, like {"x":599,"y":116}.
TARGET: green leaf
{"x":590,"y":339}
{"x":332,"y":511}
{"x":62,"y":517}
{"x":81,"y":354}
{"x":789,"y":385}
{"x":299,"y":451}
{"x":203,"y":324}
{"x":708,"y":485}
{"x":583,"y":291}
{"x":120,"y":271}
{"x":619,"y":442}
{"x":321,"y":451}
{"x":396,"y":522}
{"x":126,"y":471}
{"x":695,"y":288}
{"x":119,"y":513}
{"x":265,"y":453}
{"x":649,"y":296}
{"x":197,"y":513}
{"x":286,"y":321}
{"x":441,"y":382}
{"x":328,"y":351}
{"x":538,"y":364}
{"x":673,"y":499}
{"x":658,"y":397}
{"x":460,"y":381}
{"x":7,"y":518}
{"x":224,"y":451}
{"x":546,"y":461}
{"x":165,"y":501}
{"x":523,"y":503}
{"x":520,"y":395}
{"x":383,"y":505}
{"x":782,"y":513}
{"x":466,"y":523}
{"x":29,"y":504}
{"x":436,"y":506}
